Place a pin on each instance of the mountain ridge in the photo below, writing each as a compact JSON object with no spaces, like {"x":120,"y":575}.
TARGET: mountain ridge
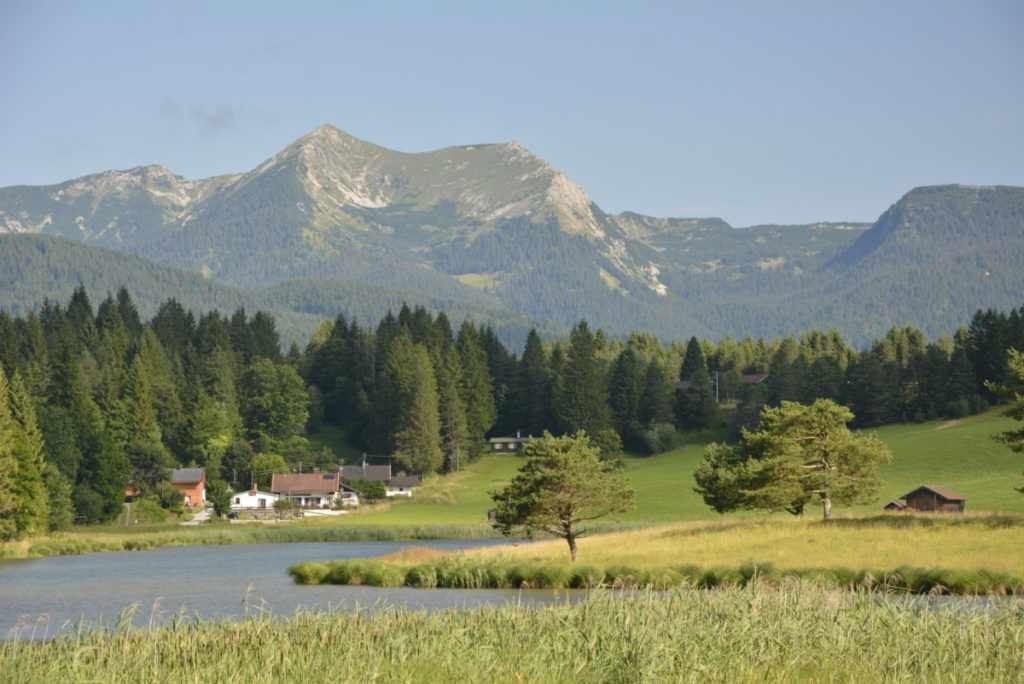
{"x":498,"y":227}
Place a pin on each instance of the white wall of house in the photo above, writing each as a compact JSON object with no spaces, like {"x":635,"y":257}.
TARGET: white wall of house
{"x":398,"y":491}
{"x":311,"y":500}
{"x":253,"y":499}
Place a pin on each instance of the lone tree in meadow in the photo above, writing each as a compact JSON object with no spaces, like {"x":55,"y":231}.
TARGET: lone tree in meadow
{"x":562,"y":485}
{"x":800,"y":454}
{"x":1013,"y":394}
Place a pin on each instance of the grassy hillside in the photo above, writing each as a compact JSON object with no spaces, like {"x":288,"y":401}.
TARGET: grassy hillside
{"x":957,"y":454}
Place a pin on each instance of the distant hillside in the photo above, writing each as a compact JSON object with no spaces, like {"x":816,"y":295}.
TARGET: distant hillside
{"x":38,"y":267}
{"x":493,"y":228}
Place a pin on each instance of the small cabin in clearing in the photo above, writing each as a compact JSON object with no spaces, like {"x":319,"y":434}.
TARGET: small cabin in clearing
{"x":508,"y":445}
{"x":937,"y":499}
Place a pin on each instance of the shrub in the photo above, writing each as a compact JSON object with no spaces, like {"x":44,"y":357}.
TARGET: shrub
{"x":586,"y":577}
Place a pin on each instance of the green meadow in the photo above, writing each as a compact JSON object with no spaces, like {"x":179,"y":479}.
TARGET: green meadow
{"x":960,"y":454}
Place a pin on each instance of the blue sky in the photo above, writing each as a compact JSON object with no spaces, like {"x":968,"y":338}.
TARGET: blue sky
{"x":757,"y":112}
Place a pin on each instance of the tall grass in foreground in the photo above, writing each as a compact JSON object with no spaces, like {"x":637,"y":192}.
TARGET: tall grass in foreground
{"x":802,"y":633}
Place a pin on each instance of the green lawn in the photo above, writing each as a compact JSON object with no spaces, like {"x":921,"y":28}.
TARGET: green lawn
{"x":457,"y":499}
{"x":961,"y":455}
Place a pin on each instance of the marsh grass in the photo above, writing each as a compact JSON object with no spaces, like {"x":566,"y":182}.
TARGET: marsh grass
{"x":90,"y":541}
{"x":462,"y":571}
{"x":800,"y":633}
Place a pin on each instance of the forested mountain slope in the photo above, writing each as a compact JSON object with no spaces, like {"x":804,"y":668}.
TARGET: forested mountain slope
{"x":34,"y":268}
{"x":494,"y":227}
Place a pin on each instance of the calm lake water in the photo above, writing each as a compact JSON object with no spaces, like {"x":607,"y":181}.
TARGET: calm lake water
{"x":43,"y":597}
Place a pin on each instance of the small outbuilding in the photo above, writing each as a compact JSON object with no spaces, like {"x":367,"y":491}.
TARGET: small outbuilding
{"x":895,"y":506}
{"x":935,"y":499}
{"x":508,"y":444}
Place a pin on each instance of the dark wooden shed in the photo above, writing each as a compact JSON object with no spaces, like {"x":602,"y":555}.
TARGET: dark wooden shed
{"x":938,"y":499}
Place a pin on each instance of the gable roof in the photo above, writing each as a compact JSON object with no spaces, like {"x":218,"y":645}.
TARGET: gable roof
{"x":304,"y":482}
{"x":404,"y":481}
{"x":381,"y":473}
{"x":942,"y":492}
{"x":187,"y":475}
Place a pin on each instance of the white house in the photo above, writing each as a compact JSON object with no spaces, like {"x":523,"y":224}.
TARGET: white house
{"x":254,"y":499}
{"x":309,"y":490}
{"x":401,"y":485}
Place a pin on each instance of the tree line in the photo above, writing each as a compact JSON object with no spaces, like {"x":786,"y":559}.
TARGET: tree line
{"x":94,"y":397}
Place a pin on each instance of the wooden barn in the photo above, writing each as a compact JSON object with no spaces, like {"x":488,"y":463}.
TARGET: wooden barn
{"x":937,"y":499}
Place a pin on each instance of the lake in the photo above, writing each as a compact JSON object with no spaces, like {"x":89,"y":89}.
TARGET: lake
{"x":42,"y":597}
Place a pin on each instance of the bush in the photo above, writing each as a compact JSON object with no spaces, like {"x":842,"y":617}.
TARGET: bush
{"x":371,"y":490}
{"x":148,"y":510}
{"x":660,"y":437}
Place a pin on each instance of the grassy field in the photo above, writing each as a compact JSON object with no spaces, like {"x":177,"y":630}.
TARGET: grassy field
{"x":970,"y":542}
{"x":979,"y":553}
{"x":961,"y":455}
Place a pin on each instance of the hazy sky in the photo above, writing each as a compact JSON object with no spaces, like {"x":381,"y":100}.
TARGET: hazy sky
{"x":757,"y":112}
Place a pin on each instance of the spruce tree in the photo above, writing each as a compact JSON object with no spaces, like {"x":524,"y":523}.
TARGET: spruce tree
{"x":477,"y":387}
{"x":582,"y":395}
{"x":418,"y":439}
{"x":455,"y":439}
{"x":531,"y":393}
{"x":625,"y":391}
{"x":32,"y":516}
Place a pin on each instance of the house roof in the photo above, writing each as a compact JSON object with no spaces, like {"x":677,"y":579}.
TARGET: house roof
{"x":509,"y":440}
{"x":257,"y":492}
{"x":304,"y":482}
{"x":942,"y":492}
{"x":381,"y":473}
{"x":404,"y":481}
{"x":187,"y":475}
{"x":895,"y":503}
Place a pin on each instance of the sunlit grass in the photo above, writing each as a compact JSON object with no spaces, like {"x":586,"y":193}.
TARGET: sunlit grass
{"x":978,"y":541}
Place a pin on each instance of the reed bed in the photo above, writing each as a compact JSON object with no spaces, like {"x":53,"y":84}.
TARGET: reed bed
{"x":800,"y":633}
{"x":96,"y":541}
{"x":468,"y":571}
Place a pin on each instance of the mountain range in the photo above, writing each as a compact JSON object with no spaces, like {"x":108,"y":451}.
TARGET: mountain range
{"x":496,"y":233}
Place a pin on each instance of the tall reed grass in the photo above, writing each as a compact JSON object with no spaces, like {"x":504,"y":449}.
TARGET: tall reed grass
{"x":468,"y":571}
{"x":801,"y":633}
{"x":67,"y":544}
